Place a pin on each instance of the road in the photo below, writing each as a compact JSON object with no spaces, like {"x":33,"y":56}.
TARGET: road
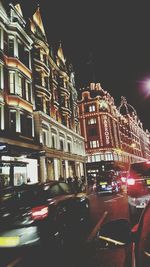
{"x":103,"y":208}
{"x":115,"y":207}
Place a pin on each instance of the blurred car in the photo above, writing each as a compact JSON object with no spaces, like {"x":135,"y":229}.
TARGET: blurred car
{"x":106,"y":183}
{"x":40,"y":213}
{"x":138,"y":187}
{"x":136,"y":240}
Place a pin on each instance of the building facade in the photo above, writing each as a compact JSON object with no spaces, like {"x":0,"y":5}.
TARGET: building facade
{"x":38,"y":101}
{"x":113,"y":136}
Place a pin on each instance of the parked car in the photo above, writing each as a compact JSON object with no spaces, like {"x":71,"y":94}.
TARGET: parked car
{"x":106,"y":183}
{"x":136,"y":240}
{"x":40,"y":213}
{"x":138,"y":187}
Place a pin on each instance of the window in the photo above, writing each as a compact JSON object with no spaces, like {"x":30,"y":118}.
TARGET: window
{"x":28,"y":91}
{"x":13,"y":121}
{"x":55,"y":190}
{"x":26,"y":57}
{"x":20,"y":85}
{"x":12,"y":82}
{"x":92,"y":121}
{"x":29,"y":126}
{"x":61,"y":144}
{"x":97,"y":158}
{"x":108,"y":156}
{"x":26,"y":125}
{"x":44,"y":137}
{"x":39,"y":103}
{"x":86,"y":108}
{"x":11,"y":46}
{"x":65,"y":188}
{"x":69,"y":147}
{"x":53,"y":141}
{"x":5,"y":42}
{"x":91,"y":108}
{"x":92,"y":131}
{"x":64,"y":121}
{"x":94,"y":144}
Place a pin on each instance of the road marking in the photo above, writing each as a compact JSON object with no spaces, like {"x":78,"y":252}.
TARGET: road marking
{"x":14,"y":262}
{"x":114,"y":199}
{"x":97,"y":227}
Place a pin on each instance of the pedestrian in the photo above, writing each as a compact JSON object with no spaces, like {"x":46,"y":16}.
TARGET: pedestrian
{"x":61,"y":179}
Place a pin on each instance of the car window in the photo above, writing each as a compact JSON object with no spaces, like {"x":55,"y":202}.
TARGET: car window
{"x":55,"y":190}
{"x":142,"y":169}
{"x":144,"y":240}
{"x":65,"y":188}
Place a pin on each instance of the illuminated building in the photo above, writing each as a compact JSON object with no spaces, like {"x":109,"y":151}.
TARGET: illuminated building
{"x":56,"y":117}
{"x":38,"y":100}
{"x":17,"y":138}
{"x":113,"y":136}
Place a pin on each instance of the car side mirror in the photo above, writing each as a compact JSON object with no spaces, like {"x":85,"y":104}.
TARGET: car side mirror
{"x":114,"y":234}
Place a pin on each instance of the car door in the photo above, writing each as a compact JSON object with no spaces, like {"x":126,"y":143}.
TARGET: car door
{"x":142,"y":245}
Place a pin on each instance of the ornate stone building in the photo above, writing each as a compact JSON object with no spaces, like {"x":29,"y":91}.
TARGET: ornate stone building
{"x":38,"y":101}
{"x":55,"y":115}
{"x":113,"y":136}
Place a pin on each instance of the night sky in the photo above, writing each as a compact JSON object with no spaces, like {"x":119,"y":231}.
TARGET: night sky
{"x":107,"y":42}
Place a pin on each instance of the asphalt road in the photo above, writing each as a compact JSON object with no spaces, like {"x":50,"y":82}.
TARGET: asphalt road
{"x":116,"y":207}
{"x":103,"y":208}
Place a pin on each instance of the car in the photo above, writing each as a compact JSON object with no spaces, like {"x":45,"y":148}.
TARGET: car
{"x":106,"y":183}
{"x":135,"y":240}
{"x":138,"y":188}
{"x":35,"y":214}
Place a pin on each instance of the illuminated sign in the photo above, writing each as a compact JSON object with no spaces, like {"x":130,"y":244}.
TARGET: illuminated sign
{"x":106,"y":131}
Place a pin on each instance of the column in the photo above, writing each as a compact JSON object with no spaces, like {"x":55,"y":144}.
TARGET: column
{"x":33,"y":134}
{"x":56,"y":174}
{"x":18,"y":122}
{"x":81,"y":169}
{"x":66,"y":169}
{"x":2,"y":118}
{"x":43,"y":169}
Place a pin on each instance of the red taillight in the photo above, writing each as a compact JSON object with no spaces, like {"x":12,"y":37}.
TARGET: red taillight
{"x":39,"y":213}
{"x":130,"y":181}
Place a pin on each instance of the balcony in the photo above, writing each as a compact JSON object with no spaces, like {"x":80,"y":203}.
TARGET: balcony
{"x":64,"y":91}
{"x":16,"y":63}
{"x":17,"y":101}
{"x":42,"y":65}
{"x":43,"y":89}
{"x":65,"y":110}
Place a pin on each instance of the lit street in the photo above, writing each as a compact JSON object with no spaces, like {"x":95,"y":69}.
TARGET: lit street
{"x":105,"y":207}
{"x":74,"y":134}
